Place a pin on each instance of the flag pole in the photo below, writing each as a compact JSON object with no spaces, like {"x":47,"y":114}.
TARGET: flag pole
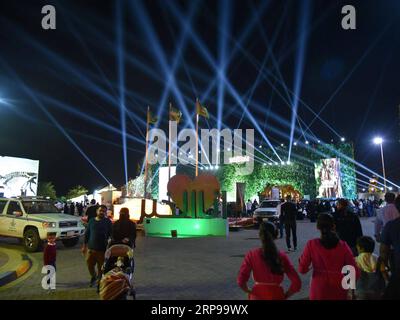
{"x":145,"y":164}
{"x":169,"y":148}
{"x":197,"y":139}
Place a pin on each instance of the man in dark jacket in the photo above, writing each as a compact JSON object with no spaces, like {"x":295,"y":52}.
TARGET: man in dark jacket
{"x":91,"y":211}
{"x":288,"y":216}
{"x":348,"y":226}
{"x":97,"y":234}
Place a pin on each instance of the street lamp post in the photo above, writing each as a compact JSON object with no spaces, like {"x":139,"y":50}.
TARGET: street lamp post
{"x":379,"y":140}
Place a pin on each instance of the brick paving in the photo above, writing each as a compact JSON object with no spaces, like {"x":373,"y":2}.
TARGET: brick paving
{"x":173,"y":269}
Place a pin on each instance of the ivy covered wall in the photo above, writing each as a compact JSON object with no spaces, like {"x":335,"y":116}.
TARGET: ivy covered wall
{"x":299,"y":174}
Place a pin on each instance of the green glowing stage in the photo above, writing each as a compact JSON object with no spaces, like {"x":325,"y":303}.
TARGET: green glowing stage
{"x":186,"y":227}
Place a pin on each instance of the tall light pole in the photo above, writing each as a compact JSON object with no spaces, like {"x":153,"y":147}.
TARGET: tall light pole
{"x":379,"y":140}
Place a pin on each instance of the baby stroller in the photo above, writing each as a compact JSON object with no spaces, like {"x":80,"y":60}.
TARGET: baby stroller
{"x":116,"y":281}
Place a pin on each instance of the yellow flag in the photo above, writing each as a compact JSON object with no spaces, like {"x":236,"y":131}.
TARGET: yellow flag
{"x":151,"y":119}
{"x":175,"y":115}
{"x":201,"y":110}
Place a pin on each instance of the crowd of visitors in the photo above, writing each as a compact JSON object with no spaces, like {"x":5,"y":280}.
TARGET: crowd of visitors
{"x":75,"y":209}
{"x":341,"y":244}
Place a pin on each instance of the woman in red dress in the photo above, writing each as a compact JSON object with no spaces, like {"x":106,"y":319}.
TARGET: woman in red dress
{"x":327,"y":255}
{"x":269,"y":267}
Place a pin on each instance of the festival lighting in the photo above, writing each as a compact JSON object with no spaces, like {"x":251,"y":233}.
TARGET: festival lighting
{"x":348,"y":76}
{"x":30,"y":93}
{"x":177,"y":59}
{"x":205,"y":52}
{"x":299,"y":65}
{"x":121,"y":79}
{"x":157,"y":51}
{"x":378,"y":140}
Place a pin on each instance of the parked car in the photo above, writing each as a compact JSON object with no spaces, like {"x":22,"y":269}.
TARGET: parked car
{"x":30,"y":219}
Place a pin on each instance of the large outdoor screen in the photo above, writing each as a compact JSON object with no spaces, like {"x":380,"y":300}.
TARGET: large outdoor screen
{"x":327,"y":175}
{"x":18,"y":177}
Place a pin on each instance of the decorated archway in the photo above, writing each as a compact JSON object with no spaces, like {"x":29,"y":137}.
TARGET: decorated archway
{"x":284,"y":191}
{"x":295,"y":178}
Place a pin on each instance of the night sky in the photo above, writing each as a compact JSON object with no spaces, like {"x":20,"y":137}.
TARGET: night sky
{"x":73,"y":73}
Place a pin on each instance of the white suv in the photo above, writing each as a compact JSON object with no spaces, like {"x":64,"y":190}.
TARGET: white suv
{"x":268,"y":210}
{"x":30,"y":219}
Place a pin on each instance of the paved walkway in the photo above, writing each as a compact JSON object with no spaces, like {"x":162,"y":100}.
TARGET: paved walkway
{"x":200,"y":268}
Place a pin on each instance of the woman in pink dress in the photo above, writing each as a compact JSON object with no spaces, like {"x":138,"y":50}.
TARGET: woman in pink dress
{"x":327,"y":255}
{"x":269,"y":267}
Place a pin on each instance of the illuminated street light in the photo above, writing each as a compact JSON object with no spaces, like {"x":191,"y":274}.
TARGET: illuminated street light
{"x":342,"y":139}
{"x":319,"y":141}
{"x":295,"y":143}
{"x":282,"y":144}
{"x":390,"y":188}
{"x":307,"y":142}
{"x":379,"y":141}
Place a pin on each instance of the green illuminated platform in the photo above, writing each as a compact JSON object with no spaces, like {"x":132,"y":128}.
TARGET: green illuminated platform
{"x":185,"y":227}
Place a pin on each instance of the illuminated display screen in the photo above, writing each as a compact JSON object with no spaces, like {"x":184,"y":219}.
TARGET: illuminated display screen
{"x":18,"y":177}
{"x":327,"y":175}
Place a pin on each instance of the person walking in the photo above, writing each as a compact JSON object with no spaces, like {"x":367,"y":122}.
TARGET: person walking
{"x":124,"y":230}
{"x":289,"y":214}
{"x":388,"y":213}
{"x":390,"y":255}
{"x":327,"y":255}
{"x":254,"y":206}
{"x":97,"y":234}
{"x":312,"y":210}
{"x":91,"y":210}
{"x":248,"y":208}
{"x":80,"y":208}
{"x":348,"y":226}
{"x":280,"y":217}
{"x":72,"y":209}
{"x":268,"y":266}
{"x":66,"y":208}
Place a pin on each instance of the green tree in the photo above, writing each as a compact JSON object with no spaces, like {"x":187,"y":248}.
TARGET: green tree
{"x":76,"y":192}
{"x":47,"y":189}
